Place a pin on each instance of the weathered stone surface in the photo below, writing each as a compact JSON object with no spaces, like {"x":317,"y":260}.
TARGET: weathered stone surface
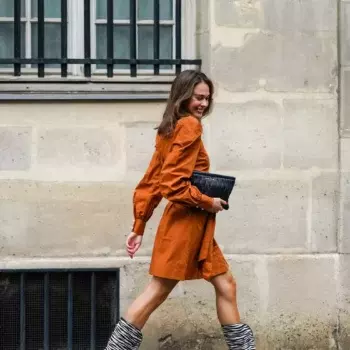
{"x":345,"y":154}
{"x":14,"y":217}
{"x":242,"y":13}
{"x":300,"y":16}
{"x":291,"y":63}
{"x":302,"y":303}
{"x":345,"y":103}
{"x":325,"y":197}
{"x":66,"y":114}
{"x":344,"y":307}
{"x":246,"y":136}
{"x":52,"y":219}
{"x":345,"y":32}
{"x":310,"y":134}
{"x":79,"y":146}
{"x":140,"y":143}
{"x":15,"y":148}
{"x":265,"y":216}
{"x":344,"y":233}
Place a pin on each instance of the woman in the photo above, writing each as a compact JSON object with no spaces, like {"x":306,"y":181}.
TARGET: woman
{"x":184,"y":246}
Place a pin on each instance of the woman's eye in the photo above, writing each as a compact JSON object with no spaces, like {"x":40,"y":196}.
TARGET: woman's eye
{"x":201,"y":98}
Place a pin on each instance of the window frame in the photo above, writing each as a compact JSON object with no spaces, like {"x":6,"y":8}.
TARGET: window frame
{"x":125,"y":72}
{"x":145,"y":86}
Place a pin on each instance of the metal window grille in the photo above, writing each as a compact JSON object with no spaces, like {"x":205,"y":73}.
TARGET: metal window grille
{"x":71,"y":309}
{"x":18,"y":59}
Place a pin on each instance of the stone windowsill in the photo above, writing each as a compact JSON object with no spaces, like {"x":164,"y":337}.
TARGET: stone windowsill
{"x":121,"y":88}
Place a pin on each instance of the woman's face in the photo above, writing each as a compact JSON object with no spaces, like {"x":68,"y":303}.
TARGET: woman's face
{"x":199,"y":101}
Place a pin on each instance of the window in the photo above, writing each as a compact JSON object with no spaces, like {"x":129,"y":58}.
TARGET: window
{"x":58,"y":309}
{"x":29,"y":29}
{"x":94,"y":38}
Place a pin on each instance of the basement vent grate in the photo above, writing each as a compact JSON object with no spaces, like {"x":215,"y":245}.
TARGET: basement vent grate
{"x":58,"y":309}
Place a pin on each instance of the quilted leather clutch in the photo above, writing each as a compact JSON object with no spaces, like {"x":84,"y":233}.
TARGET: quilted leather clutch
{"x":214,"y":185}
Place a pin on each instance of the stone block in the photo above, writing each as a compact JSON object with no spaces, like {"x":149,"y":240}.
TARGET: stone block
{"x":15,"y":148}
{"x":134,"y":278}
{"x":66,"y":219}
{"x":345,"y":32}
{"x":345,"y":103}
{"x":140,"y":145}
{"x":72,"y":114}
{"x":14,"y":217}
{"x":265,"y":216}
{"x":325,"y":197}
{"x":300,"y":16}
{"x":345,"y":154}
{"x":80,"y":147}
{"x":302,"y":303}
{"x":344,"y":300}
{"x":344,"y":234}
{"x":238,"y":14}
{"x":246,"y":136}
{"x":291,"y":63}
{"x":310,"y":134}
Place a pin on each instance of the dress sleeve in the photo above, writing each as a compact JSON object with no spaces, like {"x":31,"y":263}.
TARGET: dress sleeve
{"x":179,"y":164}
{"x":147,"y":195}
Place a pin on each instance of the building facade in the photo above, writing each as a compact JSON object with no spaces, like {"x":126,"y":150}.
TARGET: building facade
{"x":84,"y":83}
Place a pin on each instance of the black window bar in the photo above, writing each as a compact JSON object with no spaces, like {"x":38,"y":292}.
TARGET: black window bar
{"x":133,"y":61}
{"x":58,"y":309}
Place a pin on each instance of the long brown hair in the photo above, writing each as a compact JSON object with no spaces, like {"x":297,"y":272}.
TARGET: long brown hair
{"x":180,"y":94}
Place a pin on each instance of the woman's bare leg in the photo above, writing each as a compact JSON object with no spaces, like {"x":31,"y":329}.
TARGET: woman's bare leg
{"x":151,"y":298}
{"x":238,"y":335}
{"x":226,"y":298}
{"x":127,"y":334}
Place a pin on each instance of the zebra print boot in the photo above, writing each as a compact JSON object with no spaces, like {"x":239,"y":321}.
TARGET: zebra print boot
{"x":239,"y":337}
{"x":124,"y":337}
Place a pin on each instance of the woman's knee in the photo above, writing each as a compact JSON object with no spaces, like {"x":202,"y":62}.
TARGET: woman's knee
{"x":161,"y":288}
{"x":225,"y":285}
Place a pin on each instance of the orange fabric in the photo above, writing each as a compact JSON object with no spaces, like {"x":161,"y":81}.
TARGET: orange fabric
{"x":184,"y":247}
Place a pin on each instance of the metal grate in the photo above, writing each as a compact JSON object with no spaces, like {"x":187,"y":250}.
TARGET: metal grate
{"x":110,"y":61}
{"x":56,"y":310}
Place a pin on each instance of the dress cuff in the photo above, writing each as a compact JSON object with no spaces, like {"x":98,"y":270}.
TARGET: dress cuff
{"x":206,"y":202}
{"x":139,"y":227}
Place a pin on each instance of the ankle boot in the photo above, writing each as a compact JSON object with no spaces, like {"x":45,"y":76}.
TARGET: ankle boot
{"x":124,"y":337}
{"x":239,"y":337}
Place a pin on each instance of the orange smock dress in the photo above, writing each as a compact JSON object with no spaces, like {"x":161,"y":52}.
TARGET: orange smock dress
{"x":184,"y":247}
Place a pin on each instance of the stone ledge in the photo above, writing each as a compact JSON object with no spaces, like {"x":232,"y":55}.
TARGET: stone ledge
{"x":92,"y":91}
{"x":91,"y":262}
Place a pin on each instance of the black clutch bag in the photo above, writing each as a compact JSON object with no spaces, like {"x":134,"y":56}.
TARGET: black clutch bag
{"x":214,"y":185}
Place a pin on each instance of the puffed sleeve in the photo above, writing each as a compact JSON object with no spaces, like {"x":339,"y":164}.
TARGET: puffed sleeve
{"x":179,"y":164}
{"x":147,"y":195}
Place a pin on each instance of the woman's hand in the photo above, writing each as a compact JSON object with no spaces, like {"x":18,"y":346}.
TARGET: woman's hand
{"x":218,"y":205}
{"x":133,"y":243}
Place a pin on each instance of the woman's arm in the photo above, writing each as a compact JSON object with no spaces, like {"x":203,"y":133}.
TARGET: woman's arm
{"x":147,"y":195}
{"x":174,"y":182}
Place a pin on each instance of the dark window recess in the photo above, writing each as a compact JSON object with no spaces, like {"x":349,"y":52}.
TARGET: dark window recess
{"x":108,"y":61}
{"x":58,"y":309}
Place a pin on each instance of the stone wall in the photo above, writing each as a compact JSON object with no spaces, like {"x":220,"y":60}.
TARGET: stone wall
{"x":67,"y":171}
